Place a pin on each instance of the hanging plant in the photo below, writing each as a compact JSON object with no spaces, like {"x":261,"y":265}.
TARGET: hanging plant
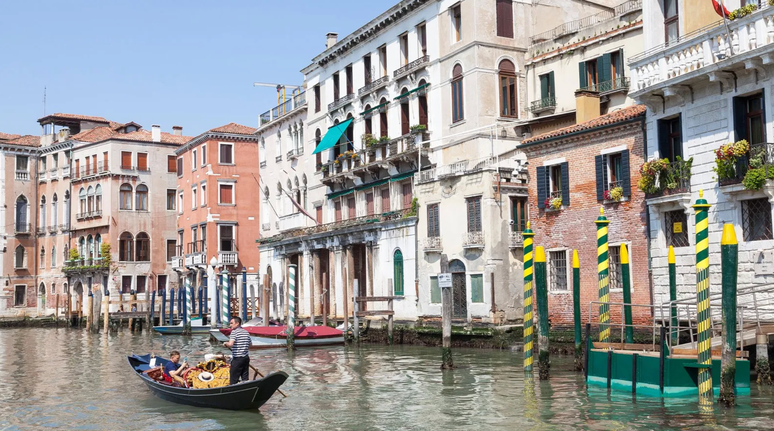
{"x":726,"y":158}
{"x":616,"y":194}
{"x":556,"y":203}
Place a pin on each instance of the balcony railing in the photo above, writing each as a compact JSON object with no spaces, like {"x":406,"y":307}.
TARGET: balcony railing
{"x":177,"y":262}
{"x":415,"y":65}
{"x":88,"y":215}
{"x":543,"y":104}
{"x":373,"y":86}
{"x":432,"y":244}
{"x":618,"y":84}
{"x":22,"y":228}
{"x":295,"y":152}
{"x":52,"y":229}
{"x":292,"y":221}
{"x":516,"y":240}
{"x":64,"y":228}
{"x":100,"y":168}
{"x":394,"y":149}
{"x":42,"y":175}
{"x":40,"y":230}
{"x":65,"y":171}
{"x":283,"y":109}
{"x":22,"y":175}
{"x":473,"y":240}
{"x":586,"y":22}
{"x":53,"y":173}
{"x":341,"y":101}
{"x":228,"y":258}
{"x":760,"y":156}
{"x":195,"y":247}
{"x":127,"y":167}
{"x":265,"y":226}
{"x":676,"y":178}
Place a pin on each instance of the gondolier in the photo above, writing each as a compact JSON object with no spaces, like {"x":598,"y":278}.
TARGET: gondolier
{"x":239,"y":342}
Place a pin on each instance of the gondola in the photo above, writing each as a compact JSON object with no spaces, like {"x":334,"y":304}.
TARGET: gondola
{"x":242,"y":396}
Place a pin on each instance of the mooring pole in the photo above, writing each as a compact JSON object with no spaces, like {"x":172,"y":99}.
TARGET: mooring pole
{"x":355,"y":309}
{"x":90,"y":310}
{"x":446,"y":310}
{"x":528,"y":307}
{"x":244,"y":294}
{"x":225,"y":304}
{"x":291,"y":306}
{"x":541,"y":292}
{"x":603,"y":277}
{"x":200,"y":292}
{"x":627,"y":295}
{"x":205,"y":289}
{"x":702,"y":301}
{"x":324,"y":299}
{"x":152,"y":307}
{"x":106,"y":298}
{"x":188,"y":305}
{"x":576,"y":310}
{"x":265,"y":299}
{"x":729,"y":251}
{"x":675,"y":337}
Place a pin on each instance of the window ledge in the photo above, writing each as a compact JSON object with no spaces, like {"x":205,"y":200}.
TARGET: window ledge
{"x":560,"y":292}
{"x":226,"y":164}
{"x":226,"y":205}
{"x":613,"y":202}
{"x":458,"y":123}
{"x":551,"y":210}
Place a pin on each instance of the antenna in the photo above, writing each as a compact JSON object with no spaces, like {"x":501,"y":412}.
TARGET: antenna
{"x":44,"y":100}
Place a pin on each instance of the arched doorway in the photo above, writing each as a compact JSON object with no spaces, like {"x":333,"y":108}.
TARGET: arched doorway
{"x":459,"y":290}
{"x":78,"y":293}
{"x":42,"y":298}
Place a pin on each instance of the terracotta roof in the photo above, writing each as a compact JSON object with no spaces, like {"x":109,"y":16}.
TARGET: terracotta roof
{"x":94,"y":135}
{"x":99,"y":134}
{"x":26,"y":141}
{"x":76,"y":117}
{"x":7,"y":136}
{"x":234,"y":128}
{"x":604,"y":120}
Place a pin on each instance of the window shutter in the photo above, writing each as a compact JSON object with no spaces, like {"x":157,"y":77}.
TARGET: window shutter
{"x":763,"y":108}
{"x":422,"y":110}
{"x":604,"y":68}
{"x":171,"y":164}
{"x":225,"y":194}
{"x":126,"y":159}
{"x":551,"y":88}
{"x":478,"y":215}
{"x":142,"y":161}
{"x":544,"y":86}
{"x":740,"y":118}
{"x":505,"y":18}
{"x":565,"y":184}
{"x":663,"y":138}
{"x":625,"y":175}
{"x":599,"y":162}
{"x":541,"y":186}
{"x":582,"y":75}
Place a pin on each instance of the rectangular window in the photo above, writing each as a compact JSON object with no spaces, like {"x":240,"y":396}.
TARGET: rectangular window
{"x":180,"y":201}
{"x":77,"y":169}
{"x":676,"y":229}
{"x":141,"y":283}
{"x":318,"y":214}
{"x":558,"y":270}
{"x":226,"y":194}
{"x":508,"y":94}
{"x":105,"y":164}
{"x":194,"y":155}
{"x":756,"y":219}
{"x":171,"y":164}
{"x":204,"y":194}
{"x":519,"y":214}
{"x":547,"y":86}
{"x":670,"y":143}
{"x":383,"y":59}
{"x":671,"y":21}
{"x":126,"y":284}
{"x":161,"y":281}
{"x":615,"y":270}
{"x":433,"y":221}
{"x":142,"y":162}
{"x":404,"y":54}
{"x":369,"y":204}
{"x":474,"y":214}
{"x":171,"y":248}
{"x":194,"y":199}
{"x":456,"y":17}
{"x":367,"y":72}
{"x":226,"y":154}
{"x":171,"y":199}
{"x":385,"y":199}
{"x":317,"y":100}
{"x":336,"y":87}
{"x":555,"y":181}
{"x":22,"y":163}
{"x":180,"y":167}
{"x":407,"y":195}
{"x":477,"y":287}
{"x":227,"y":238}
{"x":505,"y":18}
{"x":351,"y":208}
{"x":435,"y":291}
{"x":592,"y":75}
{"x":204,"y":155}
{"x":422,"y":38}
{"x":20,"y":295}
{"x":337,"y":210}
{"x":348,"y":75}
{"x":203,"y":229}
{"x":126,"y":160}
{"x":749,"y":117}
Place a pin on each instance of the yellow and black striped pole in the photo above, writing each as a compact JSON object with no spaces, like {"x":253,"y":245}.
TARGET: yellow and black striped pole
{"x":702,"y":301}
{"x":603,"y":264}
{"x":528,"y":327}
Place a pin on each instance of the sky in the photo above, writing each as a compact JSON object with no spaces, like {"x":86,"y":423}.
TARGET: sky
{"x":183,"y":63}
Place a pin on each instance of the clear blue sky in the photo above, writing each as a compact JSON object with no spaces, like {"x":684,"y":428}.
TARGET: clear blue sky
{"x":187,"y":63}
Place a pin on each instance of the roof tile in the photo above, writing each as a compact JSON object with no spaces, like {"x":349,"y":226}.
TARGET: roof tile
{"x":618,"y":116}
{"x":26,"y":141}
{"x":235,"y":128}
{"x":7,"y":136}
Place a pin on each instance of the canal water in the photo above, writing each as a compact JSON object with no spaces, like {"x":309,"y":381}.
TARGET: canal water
{"x":71,"y":379}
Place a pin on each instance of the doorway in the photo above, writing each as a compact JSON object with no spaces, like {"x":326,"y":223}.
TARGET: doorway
{"x":459,"y":290}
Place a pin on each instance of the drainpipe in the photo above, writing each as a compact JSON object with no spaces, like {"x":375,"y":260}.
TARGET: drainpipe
{"x":647,"y":219}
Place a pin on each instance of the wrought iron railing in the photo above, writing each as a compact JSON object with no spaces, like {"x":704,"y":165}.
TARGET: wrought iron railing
{"x":411,"y":67}
{"x":676,"y":178}
{"x":341,"y":101}
{"x":378,"y":83}
{"x":542,"y":104}
{"x":265,"y":117}
{"x":617,"y":84}
{"x":760,"y":156}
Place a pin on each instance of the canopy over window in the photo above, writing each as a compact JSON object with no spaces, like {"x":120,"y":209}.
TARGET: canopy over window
{"x":333,"y":136}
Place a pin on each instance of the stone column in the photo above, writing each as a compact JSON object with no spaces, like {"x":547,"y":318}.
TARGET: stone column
{"x":350,"y":278}
{"x":370,"y":268}
{"x":317,"y":273}
{"x":346,"y":252}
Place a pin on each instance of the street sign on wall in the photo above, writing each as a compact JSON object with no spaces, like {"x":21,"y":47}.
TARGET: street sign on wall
{"x":444,"y":280}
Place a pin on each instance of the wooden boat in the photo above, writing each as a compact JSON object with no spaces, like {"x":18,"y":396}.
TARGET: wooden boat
{"x":267,"y":337}
{"x":196,"y":328}
{"x":242,"y":396}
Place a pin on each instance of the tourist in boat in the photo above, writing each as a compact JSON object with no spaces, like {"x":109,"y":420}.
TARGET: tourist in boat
{"x":174,"y":368}
{"x":239,"y":342}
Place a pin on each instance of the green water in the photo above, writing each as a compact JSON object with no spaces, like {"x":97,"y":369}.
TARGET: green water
{"x":70,"y":379}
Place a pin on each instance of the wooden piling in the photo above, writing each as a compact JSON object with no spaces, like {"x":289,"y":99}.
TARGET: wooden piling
{"x":265,"y":299}
{"x":729,"y":249}
{"x":325,"y":298}
{"x":446,"y":310}
{"x":291,"y":307}
{"x":89,"y":310}
{"x":106,"y":300}
{"x":355,"y":307}
{"x":541,"y":294}
{"x":390,"y":338}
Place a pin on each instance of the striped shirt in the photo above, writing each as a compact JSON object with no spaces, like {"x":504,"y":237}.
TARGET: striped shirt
{"x":242,"y":342}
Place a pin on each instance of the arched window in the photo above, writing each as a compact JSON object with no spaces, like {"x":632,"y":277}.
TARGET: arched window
{"x":67,"y":209}
{"x":318,"y":156}
{"x":53,"y":257}
{"x":22,"y":224}
{"x":98,"y":246}
{"x":20,"y":257}
{"x":42,"y":212}
{"x":82,"y":198}
{"x":42,"y":257}
{"x":98,"y":198}
{"x":125,"y":197}
{"x":397,"y":276}
{"x":405,"y":127}
{"x":82,"y":247}
{"x":90,"y":199}
{"x":42,"y":289}
{"x":383,"y":131}
{"x":507,"y":74}
{"x":125,"y":245}
{"x":142,"y":243}
{"x":142,"y":198}
{"x":90,"y":247}
{"x":53,"y":289}
{"x":422,"y":99}
{"x":458,"y":113}
{"x":54,"y":211}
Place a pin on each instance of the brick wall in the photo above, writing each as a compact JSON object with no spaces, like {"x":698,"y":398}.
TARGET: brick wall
{"x":573,"y":227}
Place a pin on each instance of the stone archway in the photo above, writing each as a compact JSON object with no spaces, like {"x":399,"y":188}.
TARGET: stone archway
{"x":459,"y":289}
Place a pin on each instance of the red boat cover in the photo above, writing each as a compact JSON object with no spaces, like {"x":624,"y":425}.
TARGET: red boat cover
{"x":281,"y":331}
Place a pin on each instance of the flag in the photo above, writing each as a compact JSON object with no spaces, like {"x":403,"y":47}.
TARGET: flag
{"x":720,"y":9}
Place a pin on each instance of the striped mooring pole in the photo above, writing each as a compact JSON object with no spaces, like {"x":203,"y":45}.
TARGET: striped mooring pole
{"x":674,"y":338}
{"x":171,"y":306}
{"x":224,"y":301}
{"x":729,"y":253}
{"x":576,"y":310}
{"x":188,"y":301}
{"x":702,"y":301}
{"x":627,"y":295}
{"x":291,"y":306}
{"x":603,"y":264}
{"x":528,"y":308}
{"x":541,"y":293}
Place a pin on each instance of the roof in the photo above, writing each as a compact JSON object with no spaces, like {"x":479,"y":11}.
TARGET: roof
{"x":94,"y":135}
{"x":99,"y":134}
{"x":7,"y":136}
{"x":25,"y":141}
{"x":234,"y":128}
{"x":76,"y":117}
{"x":612,"y":118}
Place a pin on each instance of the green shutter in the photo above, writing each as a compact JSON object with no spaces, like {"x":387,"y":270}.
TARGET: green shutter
{"x":551,"y":88}
{"x":604,"y":68}
{"x":397,"y":280}
{"x":582,"y":75}
{"x":477,"y":288}
{"x":435,"y":291}
{"x":543,"y":86}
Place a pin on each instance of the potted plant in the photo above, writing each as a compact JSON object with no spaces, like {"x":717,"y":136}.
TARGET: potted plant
{"x":370,"y":140}
{"x":650,"y":172}
{"x":615,"y":194}
{"x":727,"y":159}
{"x":417,"y":128}
{"x":556,"y":203}
{"x":384,"y":140}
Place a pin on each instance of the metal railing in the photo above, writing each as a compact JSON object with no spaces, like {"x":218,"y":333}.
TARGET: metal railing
{"x":617,"y":84}
{"x":586,"y":22}
{"x":195,"y":247}
{"x":415,"y":65}
{"x":676,"y":178}
{"x":760,"y":156}
{"x":433,"y":243}
{"x":265,"y":117}
{"x":341,"y":101}
{"x":398,"y":148}
{"x":374,"y":85}
{"x":542,"y":104}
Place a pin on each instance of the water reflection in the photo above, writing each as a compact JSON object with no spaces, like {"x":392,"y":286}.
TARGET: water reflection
{"x":61,"y":378}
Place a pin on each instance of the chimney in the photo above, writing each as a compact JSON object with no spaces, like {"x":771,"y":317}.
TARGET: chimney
{"x":331,"y":39}
{"x":156,"y":133}
{"x":177,"y":130}
{"x":586,"y":106}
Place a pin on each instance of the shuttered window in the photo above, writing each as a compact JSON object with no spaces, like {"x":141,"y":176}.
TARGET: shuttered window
{"x":433,"y":221}
{"x":405,"y":127}
{"x":126,"y":160}
{"x":477,"y":288}
{"x":142,"y":162}
{"x":458,"y":113}
{"x":317,"y":98}
{"x":519,"y":214}
{"x":435,"y":291}
{"x":670,"y":142}
{"x":369,"y":204}
{"x":474,"y":214}
{"x":171,"y":164}
{"x":422,"y":102}
{"x":547,"y":86}
{"x":226,"y":154}
{"x":397,"y":279}
{"x":226,"y":193}
{"x":407,"y":197}
{"x":507,"y":74}
{"x":612,"y":170}
{"x":351,"y":208}
{"x":180,"y":167}
{"x":337,"y":208}
{"x":505,"y":18}
{"x":385,"y":199}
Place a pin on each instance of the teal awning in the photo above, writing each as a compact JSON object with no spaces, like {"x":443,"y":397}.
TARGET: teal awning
{"x":402,"y":176}
{"x":340,"y":193}
{"x":374,"y":108}
{"x":406,"y":94}
{"x":332,"y":136}
{"x":372,"y":185}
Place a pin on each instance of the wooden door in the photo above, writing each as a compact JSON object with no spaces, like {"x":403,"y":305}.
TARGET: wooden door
{"x":407,"y":195}
{"x":370,"y":204}
{"x":318,"y":214}
{"x":385,"y":199}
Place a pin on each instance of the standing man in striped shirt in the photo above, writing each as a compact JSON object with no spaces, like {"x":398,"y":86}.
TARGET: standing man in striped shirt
{"x":239,"y":342}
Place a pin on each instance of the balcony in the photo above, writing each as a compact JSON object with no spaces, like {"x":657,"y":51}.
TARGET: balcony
{"x":573,"y":27}
{"x":89,"y":170}
{"x":461,"y":167}
{"x":674,"y":179}
{"x":542,"y":105}
{"x":295,"y":153}
{"x":433,"y":244}
{"x":41,"y":230}
{"x":419,"y":63}
{"x":88,"y":215}
{"x":65,"y":171}
{"x":228,"y":258}
{"x":386,"y":152}
{"x":292,"y":221}
{"x":127,"y":167}
{"x":85,"y":266}
{"x":279,"y":111}
{"x":52,"y":229}
{"x":64,"y":228}
{"x":706,"y":52}
{"x":760,"y":158}
{"x":341,"y":102}
{"x":42,"y":175}
{"x":22,"y":175}
{"x":53,"y":174}
{"x":265,"y":226}
{"x":516,"y":240}
{"x":373,"y":86}
{"x":177,"y":262}
{"x":473,"y":240}
{"x":608,"y":87}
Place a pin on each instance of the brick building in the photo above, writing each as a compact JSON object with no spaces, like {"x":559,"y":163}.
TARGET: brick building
{"x":582,"y":166}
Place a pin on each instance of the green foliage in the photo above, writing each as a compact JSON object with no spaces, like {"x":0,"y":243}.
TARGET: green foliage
{"x":744,"y":11}
{"x":418,"y":128}
{"x":754,"y":179}
{"x":414,"y":208}
{"x":726,"y":158}
{"x":370,"y":140}
{"x":616,"y":194}
{"x":74,"y":255}
{"x":104,"y":253}
{"x":660,"y":175}
{"x":384,"y":139}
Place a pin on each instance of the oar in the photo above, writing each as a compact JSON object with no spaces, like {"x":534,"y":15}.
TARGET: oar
{"x":260,"y":374}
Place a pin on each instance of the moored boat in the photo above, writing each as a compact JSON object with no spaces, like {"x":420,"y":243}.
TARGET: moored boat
{"x":196,"y":328}
{"x":242,"y":396}
{"x":267,"y":337}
